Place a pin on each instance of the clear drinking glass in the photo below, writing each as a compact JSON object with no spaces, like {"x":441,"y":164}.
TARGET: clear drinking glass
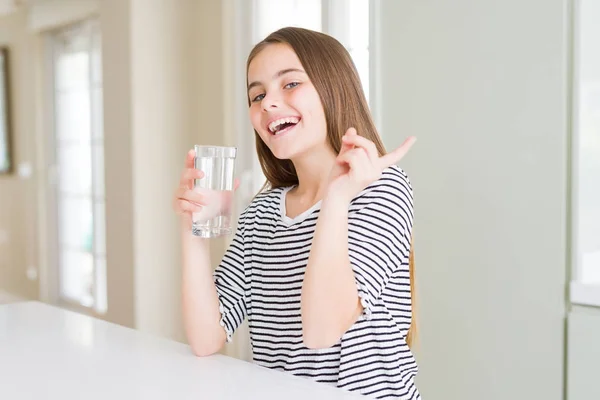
{"x":216,"y":186}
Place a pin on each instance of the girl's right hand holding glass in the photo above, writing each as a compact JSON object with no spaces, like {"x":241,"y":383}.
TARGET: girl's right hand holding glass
{"x":199,"y":204}
{"x":186,"y":201}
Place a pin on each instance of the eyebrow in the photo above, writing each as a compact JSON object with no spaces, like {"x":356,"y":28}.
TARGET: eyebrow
{"x":277,"y":75}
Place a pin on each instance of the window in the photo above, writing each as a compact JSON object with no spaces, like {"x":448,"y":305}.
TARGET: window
{"x":585,"y":288}
{"x":78,"y":160}
{"x":346,"y":20}
{"x":270,"y":15}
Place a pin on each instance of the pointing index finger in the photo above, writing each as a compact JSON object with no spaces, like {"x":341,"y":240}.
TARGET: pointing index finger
{"x":396,"y":155}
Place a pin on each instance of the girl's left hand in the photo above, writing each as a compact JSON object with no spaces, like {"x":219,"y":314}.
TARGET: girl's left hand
{"x":358,"y":164}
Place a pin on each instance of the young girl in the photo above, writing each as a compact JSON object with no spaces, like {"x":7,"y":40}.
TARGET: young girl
{"x":319,"y":263}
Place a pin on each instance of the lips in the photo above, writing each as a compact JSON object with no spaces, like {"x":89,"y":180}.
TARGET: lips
{"x":282,"y":124}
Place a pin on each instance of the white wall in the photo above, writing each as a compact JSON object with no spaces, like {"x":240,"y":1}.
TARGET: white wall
{"x":162,"y":132}
{"x":482,"y":84}
{"x":18,"y":198}
{"x":115,"y":25}
{"x":583,"y":361}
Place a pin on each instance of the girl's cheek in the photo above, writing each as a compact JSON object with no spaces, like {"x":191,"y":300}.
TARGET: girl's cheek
{"x":254,"y":111}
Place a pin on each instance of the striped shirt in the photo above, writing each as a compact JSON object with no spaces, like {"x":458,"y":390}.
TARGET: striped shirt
{"x":260,"y":277}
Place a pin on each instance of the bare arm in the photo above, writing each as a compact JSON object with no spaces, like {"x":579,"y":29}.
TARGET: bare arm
{"x":330,"y":302}
{"x":201,"y":313}
{"x":330,"y":296}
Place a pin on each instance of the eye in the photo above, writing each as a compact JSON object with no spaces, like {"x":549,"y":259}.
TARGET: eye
{"x":258,"y":98}
{"x":291,"y":85}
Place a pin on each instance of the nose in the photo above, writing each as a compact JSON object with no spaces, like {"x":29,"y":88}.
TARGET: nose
{"x":270,"y":102}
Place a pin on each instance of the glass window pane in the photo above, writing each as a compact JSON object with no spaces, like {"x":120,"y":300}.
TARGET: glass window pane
{"x":75,"y":169}
{"x":587,"y":131}
{"x":100,"y":229}
{"x":97,"y":116}
{"x":76,"y":276}
{"x":361,"y":60}
{"x":271,"y":15}
{"x":76,"y":223}
{"x":359,"y":24}
{"x":101,"y":303}
{"x":98,"y":170}
{"x":80,"y":159}
{"x":73,"y":115}
{"x":72,"y":71}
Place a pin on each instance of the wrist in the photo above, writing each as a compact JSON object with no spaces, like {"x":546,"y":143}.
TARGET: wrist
{"x":185,"y":224}
{"x":336,"y":198}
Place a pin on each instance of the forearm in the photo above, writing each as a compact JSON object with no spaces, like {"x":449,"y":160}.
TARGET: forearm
{"x":330,"y":303}
{"x":201,"y":313}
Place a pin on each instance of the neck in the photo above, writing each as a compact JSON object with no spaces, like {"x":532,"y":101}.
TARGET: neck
{"x":313,"y":174}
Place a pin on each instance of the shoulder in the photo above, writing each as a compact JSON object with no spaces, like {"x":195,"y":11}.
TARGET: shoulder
{"x":393,"y":186}
{"x":267,"y":197}
{"x":386,"y":206}
{"x":266,"y":201}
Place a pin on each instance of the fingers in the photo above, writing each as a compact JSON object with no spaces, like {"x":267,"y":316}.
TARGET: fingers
{"x":351,"y":132}
{"x":189,"y":158}
{"x":183,"y":193}
{"x":394,"y":156}
{"x":187,"y":200}
{"x":360,"y":141}
{"x":353,"y":157}
{"x":188,"y":175}
{"x":183,"y":206}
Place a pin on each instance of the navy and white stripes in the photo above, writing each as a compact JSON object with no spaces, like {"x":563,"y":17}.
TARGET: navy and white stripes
{"x":260,"y":277}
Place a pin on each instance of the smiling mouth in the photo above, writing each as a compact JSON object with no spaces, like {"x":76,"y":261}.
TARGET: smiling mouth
{"x":283,"y":125}
{"x":284,"y":128}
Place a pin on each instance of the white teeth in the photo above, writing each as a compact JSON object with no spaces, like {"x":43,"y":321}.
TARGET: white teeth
{"x":275,"y":124}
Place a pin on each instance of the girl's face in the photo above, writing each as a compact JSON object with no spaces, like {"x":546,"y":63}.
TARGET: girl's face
{"x":285,"y":108}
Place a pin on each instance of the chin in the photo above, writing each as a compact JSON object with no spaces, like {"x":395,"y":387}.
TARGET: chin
{"x":282,"y":155}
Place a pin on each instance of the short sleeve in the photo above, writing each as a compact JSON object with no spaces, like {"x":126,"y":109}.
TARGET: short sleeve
{"x":379,"y":233}
{"x":230,"y":281}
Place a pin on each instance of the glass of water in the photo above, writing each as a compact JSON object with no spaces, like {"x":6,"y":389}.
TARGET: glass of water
{"x":217,"y":163}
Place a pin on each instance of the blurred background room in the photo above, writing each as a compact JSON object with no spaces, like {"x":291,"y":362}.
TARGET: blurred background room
{"x":101,"y":99}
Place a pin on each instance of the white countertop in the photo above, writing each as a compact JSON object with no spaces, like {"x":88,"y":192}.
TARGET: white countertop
{"x":50,"y":353}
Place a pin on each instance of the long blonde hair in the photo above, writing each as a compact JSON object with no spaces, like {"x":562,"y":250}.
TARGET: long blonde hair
{"x":335,"y":78}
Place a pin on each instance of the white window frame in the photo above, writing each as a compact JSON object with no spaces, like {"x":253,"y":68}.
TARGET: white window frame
{"x":581,"y":293}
